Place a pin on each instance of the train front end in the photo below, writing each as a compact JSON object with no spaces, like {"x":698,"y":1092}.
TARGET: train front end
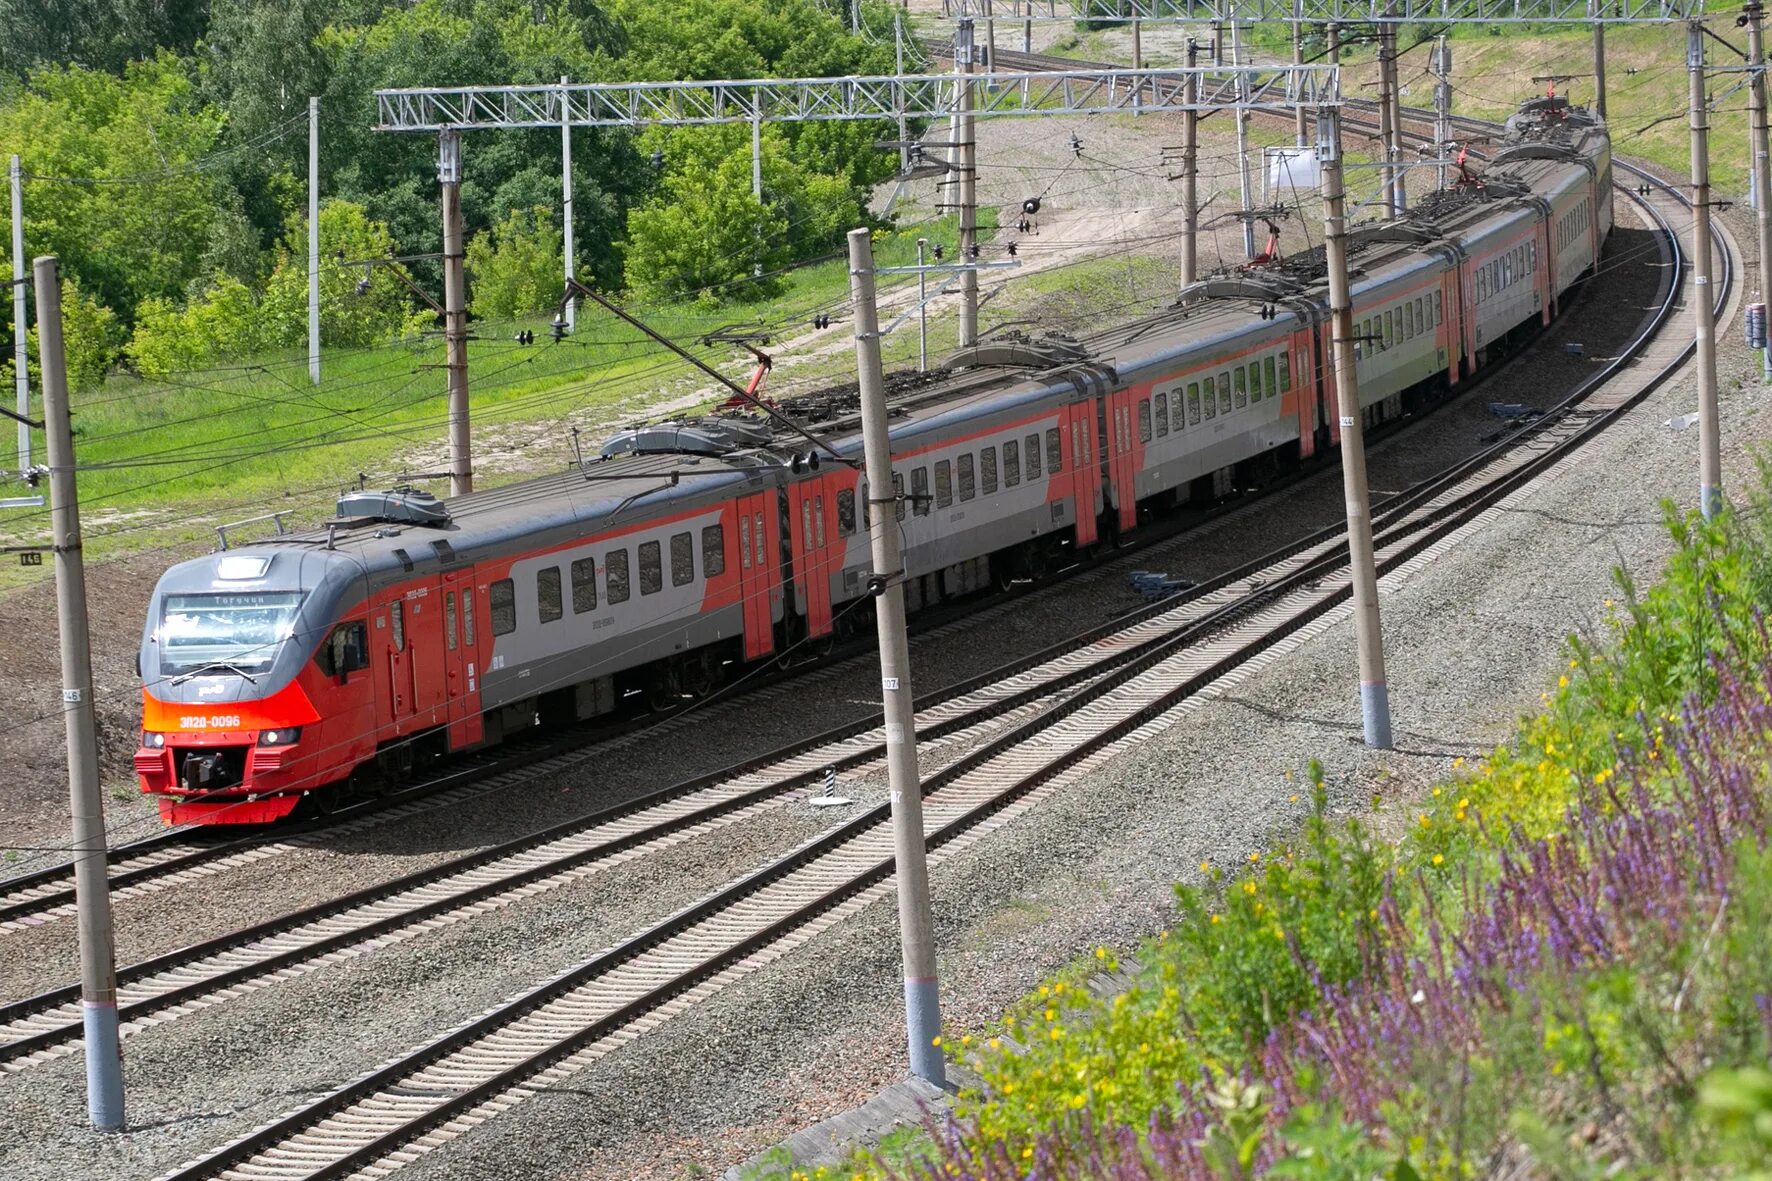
{"x":231,"y":701}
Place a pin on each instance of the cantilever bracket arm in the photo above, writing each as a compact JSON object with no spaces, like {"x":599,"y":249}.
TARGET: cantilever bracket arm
{"x":574,"y":287}
{"x":401,"y":273}
{"x":33,"y":423}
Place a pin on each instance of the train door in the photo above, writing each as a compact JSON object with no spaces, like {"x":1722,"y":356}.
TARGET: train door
{"x":402,"y":697}
{"x":1119,"y":446}
{"x":462,"y":629}
{"x":1303,"y":392}
{"x":759,"y":564}
{"x":814,"y":555}
{"x":1079,"y":425}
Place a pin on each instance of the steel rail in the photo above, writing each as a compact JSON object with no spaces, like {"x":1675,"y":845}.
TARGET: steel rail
{"x":409,"y":1106}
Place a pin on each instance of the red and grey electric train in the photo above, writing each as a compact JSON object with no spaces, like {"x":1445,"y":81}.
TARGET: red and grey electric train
{"x":409,"y":628}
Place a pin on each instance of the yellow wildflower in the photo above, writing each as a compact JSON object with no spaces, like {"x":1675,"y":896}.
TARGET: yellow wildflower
{"x":1217,"y":919}
{"x":1027,"y":1154}
{"x":1437,"y":793}
{"x":1101,"y":953}
{"x":1254,"y":857}
{"x":1458,"y":762}
{"x":1424,"y":821}
{"x":1439,"y":860}
{"x":1465,"y":802}
{"x":965,"y":1039}
{"x":1079,"y":1099}
{"x":1205,"y":867}
{"x":1562,"y":682}
{"x":1248,"y":887}
{"x":995,"y":1044}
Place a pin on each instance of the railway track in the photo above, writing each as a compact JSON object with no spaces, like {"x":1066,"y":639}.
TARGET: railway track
{"x":168,"y":859}
{"x":396,"y":1113}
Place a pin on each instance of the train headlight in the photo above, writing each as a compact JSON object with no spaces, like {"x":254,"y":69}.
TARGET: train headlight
{"x":152,"y":740}
{"x":279,"y":737}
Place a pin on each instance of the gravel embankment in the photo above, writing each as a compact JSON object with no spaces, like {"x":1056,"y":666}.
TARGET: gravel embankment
{"x":1471,"y":640}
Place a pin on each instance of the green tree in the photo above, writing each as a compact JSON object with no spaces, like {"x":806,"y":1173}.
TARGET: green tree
{"x":134,"y":214}
{"x":704,"y":233}
{"x":101,"y":34}
{"x":514,"y":269}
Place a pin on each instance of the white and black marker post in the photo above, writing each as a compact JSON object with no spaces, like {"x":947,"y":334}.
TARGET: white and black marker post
{"x":92,"y":888}
{"x":1375,"y":709}
{"x":922,"y":1001}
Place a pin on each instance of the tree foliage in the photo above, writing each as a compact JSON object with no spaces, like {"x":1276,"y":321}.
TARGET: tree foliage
{"x":515,"y":268}
{"x":178,"y":131}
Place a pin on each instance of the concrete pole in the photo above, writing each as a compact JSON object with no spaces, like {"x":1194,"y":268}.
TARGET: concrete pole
{"x":21,"y":366}
{"x":1138,"y":64}
{"x":922,"y":309}
{"x":1756,"y":58}
{"x":1600,"y":68}
{"x":922,"y":1001}
{"x":1245,"y":187}
{"x":92,"y":888}
{"x":1190,"y":173}
{"x":990,"y":44}
{"x":1710,"y":457}
{"x":455,"y":315}
{"x":1302,"y":134}
{"x":1387,"y":131}
{"x":1394,"y":145}
{"x":1218,"y":44}
{"x":1442,"y":105}
{"x":566,"y":202}
{"x":1375,"y":713}
{"x":757,"y":146}
{"x":968,"y":178}
{"x":314,"y":240}
{"x":904,"y":134}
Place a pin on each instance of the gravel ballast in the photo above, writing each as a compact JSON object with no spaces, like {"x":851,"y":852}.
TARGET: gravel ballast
{"x":1471,"y":642}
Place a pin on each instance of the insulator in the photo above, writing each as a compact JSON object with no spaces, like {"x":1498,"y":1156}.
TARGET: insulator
{"x":1756,"y":325}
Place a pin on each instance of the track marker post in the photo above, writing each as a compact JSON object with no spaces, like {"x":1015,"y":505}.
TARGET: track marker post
{"x":1375,"y":709}
{"x":922,"y":999}
{"x":92,"y":887}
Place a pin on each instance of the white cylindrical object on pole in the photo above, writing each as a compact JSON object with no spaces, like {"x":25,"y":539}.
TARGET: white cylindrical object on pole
{"x":1375,"y":713}
{"x":21,"y":376}
{"x":92,"y":887}
{"x":922,"y":309}
{"x":314,"y":240}
{"x":922,"y":998}
{"x":566,"y":202}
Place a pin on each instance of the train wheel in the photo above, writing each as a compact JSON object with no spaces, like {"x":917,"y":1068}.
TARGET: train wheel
{"x":702,"y":674}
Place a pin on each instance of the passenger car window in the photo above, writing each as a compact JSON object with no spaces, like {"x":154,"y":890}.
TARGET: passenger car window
{"x":449,"y":641}
{"x":345,"y":651}
{"x":1224,"y":393}
{"x":713,"y":550}
{"x":898,"y":495}
{"x":968,"y":489}
{"x":1193,"y":402}
{"x":987,"y":469}
{"x":1144,"y":420}
{"x":1031,"y":448}
{"x":1054,"y":452}
{"x":920,"y":491}
{"x":1285,"y":371}
{"x":846,"y":512}
{"x":1011,"y":464}
{"x":615,"y":575}
{"x":651,"y":568}
{"x":1273,"y":386}
{"x":944,"y":483}
{"x":1242,"y":388}
{"x":1160,"y":409}
{"x":584,"y":585}
{"x":547,"y":594}
{"x":1210,"y":389}
{"x":397,"y":616}
{"x":502,"y":596}
{"x":817,"y":526}
{"x":682,"y":559}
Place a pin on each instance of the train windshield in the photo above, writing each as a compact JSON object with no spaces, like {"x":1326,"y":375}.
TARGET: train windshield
{"x":237,"y":633}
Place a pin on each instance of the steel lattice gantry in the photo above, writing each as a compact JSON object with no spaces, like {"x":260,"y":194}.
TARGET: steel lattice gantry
{"x":1340,"y":12}
{"x":1280,"y":89}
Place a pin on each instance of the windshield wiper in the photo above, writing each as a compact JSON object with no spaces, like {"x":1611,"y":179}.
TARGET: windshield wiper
{"x":223,"y":665}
